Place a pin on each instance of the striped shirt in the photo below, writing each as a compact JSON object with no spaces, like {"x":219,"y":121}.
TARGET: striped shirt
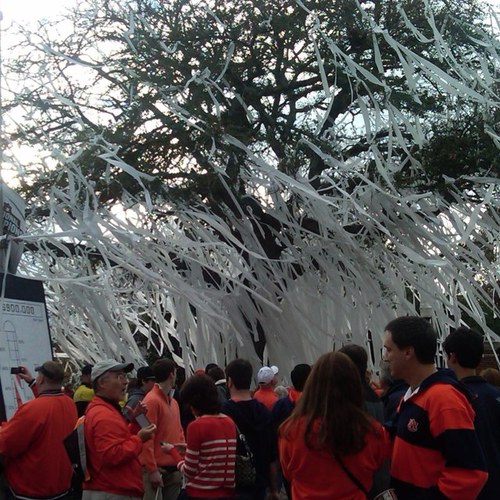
{"x":210,"y":457}
{"x":436,"y":450}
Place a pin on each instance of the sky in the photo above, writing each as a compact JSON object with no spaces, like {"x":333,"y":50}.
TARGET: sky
{"x":19,"y":10}
{"x":23,"y":11}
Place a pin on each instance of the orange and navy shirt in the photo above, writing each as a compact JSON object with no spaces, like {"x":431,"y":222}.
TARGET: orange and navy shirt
{"x":436,"y":450}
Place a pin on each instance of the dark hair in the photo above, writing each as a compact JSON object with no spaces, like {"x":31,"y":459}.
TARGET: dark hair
{"x":216,"y":373}
{"x":180,"y":377}
{"x":210,"y":366}
{"x":144,"y":373}
{"x":299,"y":375}
{"x":200,"y":392}
{"x":87,"y":369}
{"x":240,"y":371}
{"x":467,"y":345}
{"x":416,"y":332}
{"x":162,"y":368}
{"x":358,"y":356}
{"x":332,"y":407}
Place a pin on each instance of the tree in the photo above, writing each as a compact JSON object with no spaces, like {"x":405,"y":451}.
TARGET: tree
{"x":291,"y":147}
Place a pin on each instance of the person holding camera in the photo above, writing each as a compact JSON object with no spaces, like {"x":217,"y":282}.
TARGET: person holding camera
{"x":31,"y":442}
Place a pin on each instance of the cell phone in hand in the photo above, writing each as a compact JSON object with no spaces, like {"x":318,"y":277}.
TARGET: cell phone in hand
{"x":15,"y":370}
{"x":142,"y":420}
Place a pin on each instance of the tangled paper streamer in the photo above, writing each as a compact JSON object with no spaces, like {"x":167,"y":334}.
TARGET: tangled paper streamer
{"x":260,"y":181}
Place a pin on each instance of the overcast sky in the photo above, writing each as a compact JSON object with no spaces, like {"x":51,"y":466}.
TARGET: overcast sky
{"x":36,"y":9}
{"x":19,"y":10}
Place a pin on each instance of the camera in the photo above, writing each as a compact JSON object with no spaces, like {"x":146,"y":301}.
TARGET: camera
{"x":16,"y":370}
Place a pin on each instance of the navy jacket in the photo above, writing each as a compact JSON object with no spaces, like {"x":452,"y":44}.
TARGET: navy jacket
{"x":486,"y":404}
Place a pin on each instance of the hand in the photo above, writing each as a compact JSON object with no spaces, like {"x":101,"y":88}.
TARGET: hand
{"x":146,"y":433}
{"x":155,"y":479}
{"x":26,"y":375}
{"x":166,"y":447}
{"x":139,"y":409}
{"x":180,"y":447}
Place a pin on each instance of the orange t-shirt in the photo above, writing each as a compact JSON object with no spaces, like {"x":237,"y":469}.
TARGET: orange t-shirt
{"x":266,"y":395}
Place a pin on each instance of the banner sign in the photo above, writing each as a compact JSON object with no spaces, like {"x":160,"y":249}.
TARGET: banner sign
{"x":13,"y":224}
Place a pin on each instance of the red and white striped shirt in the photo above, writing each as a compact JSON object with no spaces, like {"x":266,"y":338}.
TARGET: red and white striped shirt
{"x":210,"y":456}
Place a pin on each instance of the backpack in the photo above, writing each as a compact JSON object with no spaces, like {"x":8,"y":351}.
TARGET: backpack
{"x":74,"y":443}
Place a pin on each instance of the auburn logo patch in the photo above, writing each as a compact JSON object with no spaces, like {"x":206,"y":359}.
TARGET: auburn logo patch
{"x":412,"y":425}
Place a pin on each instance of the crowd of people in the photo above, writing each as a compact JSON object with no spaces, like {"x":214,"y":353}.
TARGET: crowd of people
{"x":422,"y":433}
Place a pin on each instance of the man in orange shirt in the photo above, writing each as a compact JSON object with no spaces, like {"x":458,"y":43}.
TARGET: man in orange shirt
{"x":159,"y":468}
{"x":112,"y":449}
{"x":267,"y":380}
{"x":31,"y":442}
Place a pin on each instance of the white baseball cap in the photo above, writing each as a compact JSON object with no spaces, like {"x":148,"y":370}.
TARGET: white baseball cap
{"x":266,"y":374}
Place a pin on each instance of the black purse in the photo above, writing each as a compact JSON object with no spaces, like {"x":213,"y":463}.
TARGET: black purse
{"x":244,"y":470}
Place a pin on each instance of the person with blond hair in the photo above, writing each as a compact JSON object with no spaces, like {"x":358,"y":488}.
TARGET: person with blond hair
{"x":491,"y":375}
{"x":330,"y":447}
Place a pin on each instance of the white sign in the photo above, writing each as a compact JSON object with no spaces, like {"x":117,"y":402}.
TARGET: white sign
{"x":24,"y":341}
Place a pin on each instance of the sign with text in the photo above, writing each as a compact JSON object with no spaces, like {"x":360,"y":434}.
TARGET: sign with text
{"x":24,"y":337}
{"x":12,"y":224}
